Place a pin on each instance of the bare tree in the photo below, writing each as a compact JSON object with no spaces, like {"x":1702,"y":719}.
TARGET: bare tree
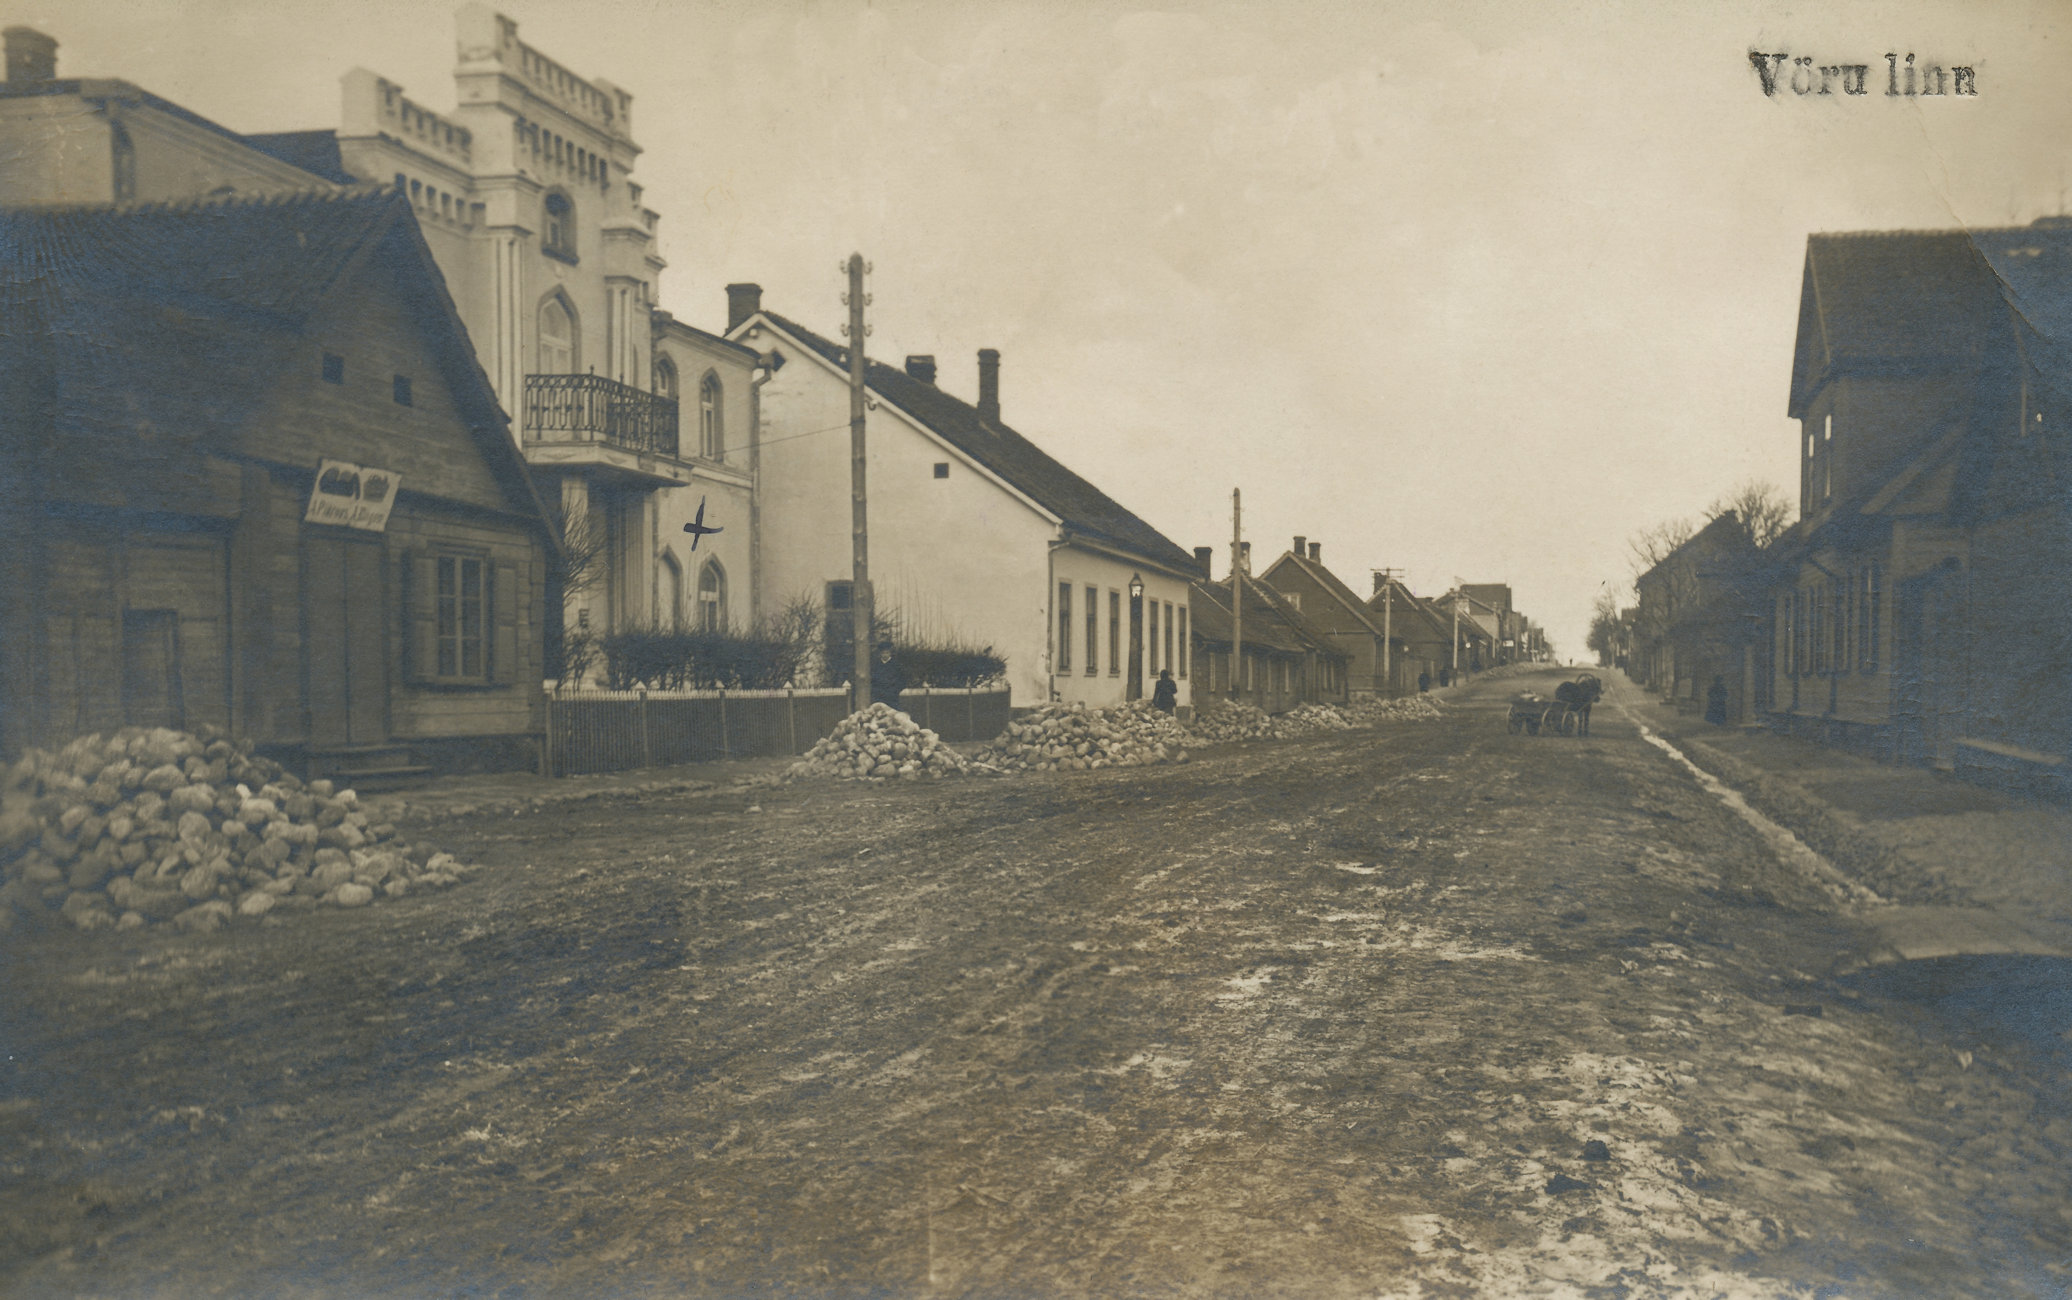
{"x":1653,"y":544}
{"x":1760,"y":506}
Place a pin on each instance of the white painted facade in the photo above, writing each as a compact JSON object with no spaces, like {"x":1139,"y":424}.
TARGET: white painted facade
{"x":965,"y":557}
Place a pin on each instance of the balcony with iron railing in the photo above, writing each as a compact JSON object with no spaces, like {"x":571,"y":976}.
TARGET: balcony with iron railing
{"x":590,"y":421}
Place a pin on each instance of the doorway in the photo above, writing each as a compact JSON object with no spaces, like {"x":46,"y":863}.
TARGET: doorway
{"x":345,"y":602}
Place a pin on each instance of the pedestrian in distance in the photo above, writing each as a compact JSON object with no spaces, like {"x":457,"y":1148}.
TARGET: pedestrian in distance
{"x":887,"y":680}
{"x":1716,"y":702}
{"x":1167,"y":693}
{"x":1424,"y":682}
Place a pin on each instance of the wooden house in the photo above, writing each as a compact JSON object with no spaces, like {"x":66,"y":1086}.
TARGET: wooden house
{"x":1287,"y":658}
{"x":1300,"y":576}
{"x":1924,"y":606}
{"x":254,"y":477}
{"x":1420,"y":638}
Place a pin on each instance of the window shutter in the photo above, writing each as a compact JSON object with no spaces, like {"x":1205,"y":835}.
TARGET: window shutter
{"x":503,"y":621}
{"x":422,"y":616}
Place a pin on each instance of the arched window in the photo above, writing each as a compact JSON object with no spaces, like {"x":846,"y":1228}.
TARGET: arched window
{"x":712,"y":598}
{"x":665,"y":386}
{"x":712,"y":431}
{"x":123,"y":158}
{"x":672,"y":612}
{"x":559,"y":235}
{"x":557,"y":337}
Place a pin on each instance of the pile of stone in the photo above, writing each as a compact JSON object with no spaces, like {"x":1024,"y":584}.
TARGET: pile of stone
{"x":1368,"y":710}
{"x":155,"y":825}
{"x":877,"y":744}
{"x":1225,"y":720}
{"x":1075,"y":738}
{"x":1309,"y":719}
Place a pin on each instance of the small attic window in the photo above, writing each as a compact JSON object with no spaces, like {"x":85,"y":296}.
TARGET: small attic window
{"x":401,"y":390}
{"x":942,"y":469}
{"x":334,"y":368}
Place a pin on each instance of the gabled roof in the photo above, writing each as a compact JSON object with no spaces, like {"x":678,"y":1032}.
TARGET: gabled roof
{"x":175,"y":317}
{"x":1328,"y":580}
{"x":1917,"y":302}
{"x":1270,"y":620}
{"x":1409,"y":618}
{"x":1083,"y":509}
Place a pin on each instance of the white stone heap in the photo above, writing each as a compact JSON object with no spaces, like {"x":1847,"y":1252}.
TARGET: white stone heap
{"x":1075,"y":738}
{"x":142,"y":826}
{"x":879,"y":743}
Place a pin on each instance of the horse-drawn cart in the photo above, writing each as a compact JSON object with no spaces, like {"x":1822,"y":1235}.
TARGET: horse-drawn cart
{"x":1532,"y":714}
{"x":1567,"y":714}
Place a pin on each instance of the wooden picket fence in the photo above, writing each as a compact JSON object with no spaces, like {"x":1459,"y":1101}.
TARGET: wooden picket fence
{"x":615,"y":731}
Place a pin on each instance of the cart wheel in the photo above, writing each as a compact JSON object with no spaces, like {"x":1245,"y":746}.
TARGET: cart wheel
{"x":1568,"y":724}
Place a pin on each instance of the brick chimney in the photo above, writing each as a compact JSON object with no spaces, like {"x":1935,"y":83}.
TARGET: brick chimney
{"x":1380,"y":580}
{"x":1204,"y":558}
{"x":1316,"y":552}
{"x":1298,"y":546}
{"x":743,"y":301}
{"x":921,"y":368}
{"x":31,"y":56}
{"x":989,"y":385}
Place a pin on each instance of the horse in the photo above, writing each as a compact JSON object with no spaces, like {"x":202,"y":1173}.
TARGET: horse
{"x":1579,"y":695}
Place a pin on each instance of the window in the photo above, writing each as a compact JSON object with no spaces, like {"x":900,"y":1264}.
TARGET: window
{"x":334,"y":368}
{"x":400,"y":390}
{"x":712,"y":433}
{"x":1093,"y":630}
{"x":1867,"y":644}
{"x":942,"y":469}
{"x":557,"y":338}
{"x":672,"y":589}
{"x":122,"y":164}
{"x":712,"y":598}
{"x":1064,"y":627}
{"x":1151,"y":641}
{"x":1186,"y":646}
{"x":558,"y":238}
{"x":838,"y":594}
{"x":460,"y":616}
{"x":1115,"y":634}
{"x":1169,"y":635}
{"x":664,"y":372}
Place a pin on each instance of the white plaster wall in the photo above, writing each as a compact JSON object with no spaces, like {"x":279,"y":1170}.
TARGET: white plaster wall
{"x":960,"y":556}
{"x":1107,"y":573}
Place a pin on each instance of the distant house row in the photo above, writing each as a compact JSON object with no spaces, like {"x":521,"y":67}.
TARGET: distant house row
{"x":1921,"y":607}
{"x":339,"y":438}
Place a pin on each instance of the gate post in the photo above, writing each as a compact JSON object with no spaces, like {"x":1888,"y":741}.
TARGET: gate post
{"x":647,"y":757}
{"x":724,"y":750}
{"x":791,"y":715}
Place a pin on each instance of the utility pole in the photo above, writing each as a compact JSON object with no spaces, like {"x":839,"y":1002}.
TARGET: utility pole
{"x":1457,"y":598}
{"x":859,"y":514}
{"x":1237,"y":593}
{"x":1388,"y":601}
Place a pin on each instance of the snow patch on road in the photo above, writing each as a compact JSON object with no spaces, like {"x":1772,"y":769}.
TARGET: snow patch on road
{"x":1788,"y":847}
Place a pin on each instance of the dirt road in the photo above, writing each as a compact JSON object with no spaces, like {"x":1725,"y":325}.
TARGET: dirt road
{"x":1425,"y":1010}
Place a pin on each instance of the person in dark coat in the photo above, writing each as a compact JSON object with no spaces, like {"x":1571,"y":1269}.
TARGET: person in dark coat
{"x":1716,"y":702}
{"x":887,"y":681}
{"x":1167,"y":693}
{"x":1424,"y":681}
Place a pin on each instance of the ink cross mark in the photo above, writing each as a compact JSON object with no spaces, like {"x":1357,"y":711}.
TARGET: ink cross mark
{"x":698,"y":528}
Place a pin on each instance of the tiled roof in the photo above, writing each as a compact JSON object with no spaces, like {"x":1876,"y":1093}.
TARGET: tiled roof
{"x":1085,"y":510}
{"x":1270,"y":620}
{"x":171,"y":320}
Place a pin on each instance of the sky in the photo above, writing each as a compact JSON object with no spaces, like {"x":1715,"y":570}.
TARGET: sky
{"x":1471,"y":291}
